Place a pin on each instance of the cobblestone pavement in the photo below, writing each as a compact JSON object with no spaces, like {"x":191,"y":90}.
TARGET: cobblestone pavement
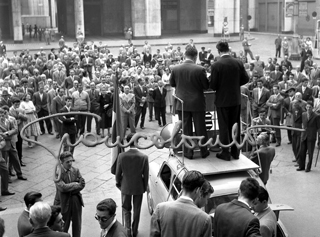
{"x":296,"y":189}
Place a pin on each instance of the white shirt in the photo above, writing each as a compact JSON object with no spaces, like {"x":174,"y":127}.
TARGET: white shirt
{"x":105,"y":231}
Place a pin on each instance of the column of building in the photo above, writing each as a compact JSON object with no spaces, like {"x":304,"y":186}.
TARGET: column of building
{"x":146,"y":18}
{"x":17,"y":24}
{"x":79,"y":16}
{"x":227,"y":13}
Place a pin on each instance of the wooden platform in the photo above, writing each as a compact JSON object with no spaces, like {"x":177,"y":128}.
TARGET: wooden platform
{"x":212,"y":165}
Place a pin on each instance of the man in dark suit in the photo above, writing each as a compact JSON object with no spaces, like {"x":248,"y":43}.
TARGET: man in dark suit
{"x":105,"y":215}
{"x":87,"y":63}
{"x":69,"y":123}
{"x":24,"y":225}
{"x":68,"y":83}
{"x":159,"y":96}
{"x":39,"y":216}
{"x":266,"y":154}
{"x":182,"y":217}
{"x":140,"y":92}
{"x":132,"y":177}
{"x":58,"y":103}
{"x":305,"y":52}
{"x":190,"y":80}
{"x":227,"y":75}
{"x":274,"y":103}
{"x":235,"y":218}
{"x":305,"y":91}
{"x":40,"y":101}
{"x":68,"y":193}
{"x":94,"y":107}
{"x":260,"y":96}
{"x":202,"y":56}
{"x":311,"y":124}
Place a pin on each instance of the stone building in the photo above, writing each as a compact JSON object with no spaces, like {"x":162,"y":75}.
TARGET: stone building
{"x":147,"y":18}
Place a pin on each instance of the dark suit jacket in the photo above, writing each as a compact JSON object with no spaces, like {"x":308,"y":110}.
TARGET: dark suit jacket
{"x":274,"y":103}
{"x":24,"y":225}
{"x":276,"y":76}
{"x":86,"y":65}
{"x":307,"y":95}
{"x":266,"y":155}
{"x":68,"y":125}
{"x":132,"y":172}
{"x":311,"y":126}
{"x":263,"y":98}
{"x":38,"y":103}
{"x":190,"y":80}
{"x":139,"y":94}
{"x":159,"y":98}
{"x":68,"y":82}
{"x":227,"y":75}
{"x":202,"y":56}
{"x":57,"y":104}
{"x":234,"y":219}
{"x":47,"y":232}
{"x":67,"y":188}
{"x":117,"y":230}
{"x":94,"y":100}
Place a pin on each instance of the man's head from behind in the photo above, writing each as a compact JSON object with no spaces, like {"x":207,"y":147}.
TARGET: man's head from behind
{"x":205,"y":192}
{"x":40,"y":214}
{"x":222,"y":47}
{"x":249,"y":189}
{"x":192,"y":182}
{"x":191,"y":53}
{"x":262,"y":201}
{"x":31,"y":198}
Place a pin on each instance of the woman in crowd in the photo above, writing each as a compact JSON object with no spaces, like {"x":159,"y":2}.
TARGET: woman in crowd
{"x":165,"y":79}
{"x":105,"y":101}
{"x":29,"y":109}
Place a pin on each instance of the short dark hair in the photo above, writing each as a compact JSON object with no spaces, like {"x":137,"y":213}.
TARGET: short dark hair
{"x":5,"y":107}
{"x":55,"y":211}
{"x":15,"y":100}
{"x":249,"y":188}
{"x":192,"y":179}
{"x":222,"y":46}
{"x":260,"y":80}
{"x":64,"y":155}
{"x":108,"y":205}
{"x":31,"y":197}
{"x":191,"y":52}
{"x":206,"y":189}
{"x":277,"y":86}
{"x":263,"y":194}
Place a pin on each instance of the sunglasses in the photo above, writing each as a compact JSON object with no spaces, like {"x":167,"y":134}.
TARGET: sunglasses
{"x":102,"y":218}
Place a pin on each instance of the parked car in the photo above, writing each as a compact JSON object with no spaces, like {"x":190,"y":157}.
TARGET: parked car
{"x":224,"y":176}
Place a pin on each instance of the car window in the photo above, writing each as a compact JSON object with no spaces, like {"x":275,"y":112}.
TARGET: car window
{"x":165,"y":175}
{"x":213,"y":202}
{"x":176,"y":187}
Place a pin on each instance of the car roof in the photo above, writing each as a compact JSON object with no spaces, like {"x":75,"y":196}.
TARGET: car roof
{"x":212,"y":165}
{"x":226,"y":183}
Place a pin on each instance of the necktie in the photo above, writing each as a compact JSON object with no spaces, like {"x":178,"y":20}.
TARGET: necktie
{"x":308,"y":116}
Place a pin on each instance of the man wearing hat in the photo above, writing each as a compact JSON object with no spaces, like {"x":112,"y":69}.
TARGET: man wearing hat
{"x":286,"y":110}
{"x":5,"y":100}
{"x":311,"y":124}
{"x":202,"y":55}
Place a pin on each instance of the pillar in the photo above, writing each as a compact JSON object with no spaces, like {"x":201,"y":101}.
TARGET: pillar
{"x":79,"y":16}
{"x":229,"y":10}
{"x":53,"y":12}
{"x":288,"y":21}
{"x":203,"y":22}
{"x":16,"y":20}
{"x":252,"y":12}
{"x":146,"y":18}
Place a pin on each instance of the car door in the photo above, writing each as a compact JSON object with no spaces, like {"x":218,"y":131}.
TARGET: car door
{"x":162,"y":184}
{"x":281,"y":230}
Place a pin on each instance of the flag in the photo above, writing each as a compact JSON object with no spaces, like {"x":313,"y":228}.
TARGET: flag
{"x":117,"y":129}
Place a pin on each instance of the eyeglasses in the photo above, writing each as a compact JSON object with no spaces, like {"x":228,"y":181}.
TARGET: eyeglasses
{"x":102,"y":218}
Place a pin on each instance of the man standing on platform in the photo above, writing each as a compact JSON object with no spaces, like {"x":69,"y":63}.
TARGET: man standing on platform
{"x":190,"y":80}
{"x":132,"y":176}
{"x":227,"y":75}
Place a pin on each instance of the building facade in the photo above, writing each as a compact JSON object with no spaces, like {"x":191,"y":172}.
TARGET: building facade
{"x":147,"y":18}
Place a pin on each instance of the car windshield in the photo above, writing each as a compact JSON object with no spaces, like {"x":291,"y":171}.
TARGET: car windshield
{"x":213,"y":202}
